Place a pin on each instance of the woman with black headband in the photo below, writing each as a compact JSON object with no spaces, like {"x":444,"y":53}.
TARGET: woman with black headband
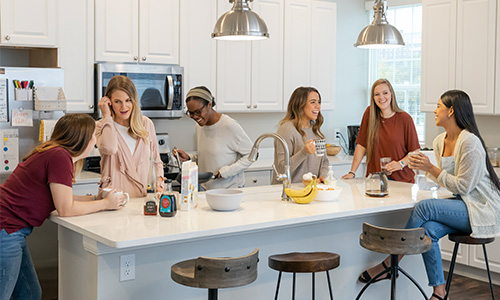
{"x":223,"y":145}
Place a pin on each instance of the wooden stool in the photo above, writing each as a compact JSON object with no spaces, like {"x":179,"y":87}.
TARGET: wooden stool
{"x":311,"y":262}
{"x":216,"y":273}
{"x":394,"y":242}
{"x":465,"y":238}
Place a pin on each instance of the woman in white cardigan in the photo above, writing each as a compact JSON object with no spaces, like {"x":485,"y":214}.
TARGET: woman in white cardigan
{"x":463,"y":167}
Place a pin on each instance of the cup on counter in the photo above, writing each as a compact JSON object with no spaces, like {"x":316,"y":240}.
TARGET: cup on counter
{"x":105,"y":192}
{"x":383,"y":165}
{"x":320,"y":147}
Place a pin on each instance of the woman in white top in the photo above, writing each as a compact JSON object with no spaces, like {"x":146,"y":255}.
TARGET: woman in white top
{"x":223,"y":145}
{"x":464,"y":168}
{"x":126,"y":140}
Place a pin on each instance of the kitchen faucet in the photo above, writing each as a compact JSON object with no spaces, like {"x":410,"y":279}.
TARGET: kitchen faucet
{"x":286,"y":178}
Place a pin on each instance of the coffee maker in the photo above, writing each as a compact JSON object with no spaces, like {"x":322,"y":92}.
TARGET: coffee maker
{"x":352,"y":134}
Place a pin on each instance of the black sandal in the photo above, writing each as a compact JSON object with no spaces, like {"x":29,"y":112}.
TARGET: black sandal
{"x":365,"y":277}
{"x":434,"y":295}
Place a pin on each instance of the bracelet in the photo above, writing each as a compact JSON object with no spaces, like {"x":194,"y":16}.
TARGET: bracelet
{"x":353,"y":174}
{"x":402,"y":163}
{"x":95,"y":197}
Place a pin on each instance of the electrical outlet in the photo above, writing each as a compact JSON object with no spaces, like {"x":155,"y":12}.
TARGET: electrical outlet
{"x":336,"y":136}
{"x":127,"y":267}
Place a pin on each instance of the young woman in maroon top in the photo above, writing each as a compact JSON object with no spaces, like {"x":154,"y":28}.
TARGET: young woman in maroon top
{"x":41,"y":183}
{"x":385,"y":131}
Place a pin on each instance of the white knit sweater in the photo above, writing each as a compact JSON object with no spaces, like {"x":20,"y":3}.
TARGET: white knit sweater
{"x":472,"y":182}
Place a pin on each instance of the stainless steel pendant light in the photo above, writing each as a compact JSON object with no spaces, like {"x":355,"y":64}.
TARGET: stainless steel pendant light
{"x":240,"y":23}
{"x":380,"y":34}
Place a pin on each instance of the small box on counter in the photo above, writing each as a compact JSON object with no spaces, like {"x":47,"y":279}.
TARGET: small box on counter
{"x":189,"y":186}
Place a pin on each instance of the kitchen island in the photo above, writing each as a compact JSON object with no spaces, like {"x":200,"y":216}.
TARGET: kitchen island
{"x":90,"y":246}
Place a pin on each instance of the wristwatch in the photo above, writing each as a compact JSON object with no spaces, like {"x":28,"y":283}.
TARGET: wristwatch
{"x":402,"y":164}
{"x":353,"y":174}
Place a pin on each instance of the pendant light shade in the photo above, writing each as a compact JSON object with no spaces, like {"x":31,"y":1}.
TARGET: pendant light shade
{"x":380,"y":34}
{"x":240,"y":23}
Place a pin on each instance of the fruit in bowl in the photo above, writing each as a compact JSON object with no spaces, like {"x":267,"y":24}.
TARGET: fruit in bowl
{"x":328,"y":193}
{"x":332,"y":149}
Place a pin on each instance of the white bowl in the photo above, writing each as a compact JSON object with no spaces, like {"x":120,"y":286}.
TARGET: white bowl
{"x":224,"y":200}
{"x":326,"y":194}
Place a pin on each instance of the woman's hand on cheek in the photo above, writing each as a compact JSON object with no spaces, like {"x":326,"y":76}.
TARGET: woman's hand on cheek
{"x":310,"y":146}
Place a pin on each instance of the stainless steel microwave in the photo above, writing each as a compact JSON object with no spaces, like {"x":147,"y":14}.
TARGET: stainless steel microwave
{"x":159,"y":87}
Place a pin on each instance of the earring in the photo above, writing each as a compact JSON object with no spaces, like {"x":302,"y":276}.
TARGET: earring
{"x":449,"y":116}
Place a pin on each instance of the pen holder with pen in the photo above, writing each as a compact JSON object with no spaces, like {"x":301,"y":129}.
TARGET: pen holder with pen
{"x":23,"y":94}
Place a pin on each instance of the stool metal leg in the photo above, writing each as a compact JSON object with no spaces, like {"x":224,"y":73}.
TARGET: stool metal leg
{"x":414,"y":282}
{"x":371,"y":281}
{"x":329,"y":285}
{"x":394,"y":274}
{"x":212,"y":294}
{"x":277,"y":287}
{"x":313,"y":287}
{"x":488,"y":269}
{"x":293,"y":287}
{"x":450,"y":273}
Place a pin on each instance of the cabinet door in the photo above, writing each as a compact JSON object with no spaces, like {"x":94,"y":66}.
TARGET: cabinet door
{"x":438,"y":50}
{"x":116,"y":30}
{"x":233,"y":71}
{"x":297,"y":52}
{"x":447,"y":251}
{"x":198,"y":53}
{"x":497,"y":70}
{"x":267,"y":59}
{"x":257,"y":178}
{"x":28,"y":22}
{"x":323,"y":39}
{"x":76,"y":53}
{"x":476,"y":256}
{"x":159,"y":31}
{"x":476,"y":32}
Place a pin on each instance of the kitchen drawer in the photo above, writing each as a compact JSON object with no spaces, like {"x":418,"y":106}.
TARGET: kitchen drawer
{"x":85,"y":189}
{"x":256,"y":178}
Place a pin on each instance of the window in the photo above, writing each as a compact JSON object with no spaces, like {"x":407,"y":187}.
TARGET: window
{"x":401,"y":66}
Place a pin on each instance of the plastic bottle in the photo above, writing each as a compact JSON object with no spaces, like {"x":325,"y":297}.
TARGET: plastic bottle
{"x":151,"y":202}
{"x":168,"y":201}
{"x":330,"y":179}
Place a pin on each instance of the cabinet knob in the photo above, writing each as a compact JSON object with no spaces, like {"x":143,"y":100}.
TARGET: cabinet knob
{"x":248,"y":106}
{"x":7,"y":38}
{"x":255,"y":106}
{"x":136,"y":58}
{"x":91,"y":106}
{"x":144,"y":58}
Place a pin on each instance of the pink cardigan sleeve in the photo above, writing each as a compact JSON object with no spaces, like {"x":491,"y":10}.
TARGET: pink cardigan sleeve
{"x":107,"y":140}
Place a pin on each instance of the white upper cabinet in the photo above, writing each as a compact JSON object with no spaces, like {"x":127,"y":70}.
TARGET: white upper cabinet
{"x":458,"y":51}
{"x":310,"y":48}
{"x":497,"y":82}
{"x":28,"y":23}
{"x":249,"y":73}
{"x":323,"y":62}
{"x":198,"y":51}
{"x":76,"y":53}
{"x":145,"y":31}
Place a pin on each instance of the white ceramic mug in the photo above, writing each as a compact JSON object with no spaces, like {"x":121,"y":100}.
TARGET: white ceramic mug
{"x":105,"y":192}
{"x":320,"y":147}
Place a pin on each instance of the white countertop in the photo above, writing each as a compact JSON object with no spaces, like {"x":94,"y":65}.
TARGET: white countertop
{"x":261,"y":209}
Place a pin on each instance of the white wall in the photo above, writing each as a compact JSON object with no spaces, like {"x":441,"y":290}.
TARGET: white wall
{"x":351,"y":85}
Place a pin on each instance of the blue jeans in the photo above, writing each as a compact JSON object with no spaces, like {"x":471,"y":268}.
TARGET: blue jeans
{"x":17,"y":273}
{"x":438,"y":217}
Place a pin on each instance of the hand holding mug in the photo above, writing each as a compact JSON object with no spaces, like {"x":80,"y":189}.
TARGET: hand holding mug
{"x":419,"y":161}
{"x":104,"y":105}
{"x":310,"y":147}
{"x":115,"y":196}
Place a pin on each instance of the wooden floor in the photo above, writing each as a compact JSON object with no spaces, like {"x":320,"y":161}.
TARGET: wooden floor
{"x":463,"y":288}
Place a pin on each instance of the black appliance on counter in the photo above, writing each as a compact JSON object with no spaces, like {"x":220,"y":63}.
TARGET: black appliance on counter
{"x":352,"y":134}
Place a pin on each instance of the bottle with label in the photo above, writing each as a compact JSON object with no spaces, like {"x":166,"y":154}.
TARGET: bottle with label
{"x":151,"y":202}
{"x":168,"y":201}
{"x":330,"y":179}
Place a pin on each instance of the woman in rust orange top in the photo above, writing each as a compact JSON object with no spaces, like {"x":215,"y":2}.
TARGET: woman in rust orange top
{"x":385,"y":131}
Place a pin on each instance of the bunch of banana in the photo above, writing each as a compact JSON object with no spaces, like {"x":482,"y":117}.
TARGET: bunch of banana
{"x":305,"y":195}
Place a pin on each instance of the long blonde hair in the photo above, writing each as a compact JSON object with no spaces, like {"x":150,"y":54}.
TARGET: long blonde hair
{"x":376,"y":116}
{"x":295,"y":111}
{"x":72,"y":132}
{"x":123,"y":83}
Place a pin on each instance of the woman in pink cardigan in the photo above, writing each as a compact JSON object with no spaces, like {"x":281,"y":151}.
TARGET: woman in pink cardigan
{"x":126,"y":140}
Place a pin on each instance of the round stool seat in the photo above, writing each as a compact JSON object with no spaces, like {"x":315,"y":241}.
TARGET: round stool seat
{"x":394,"y":241}
{"x":465,"y":238}
{"x":308,"y":262}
